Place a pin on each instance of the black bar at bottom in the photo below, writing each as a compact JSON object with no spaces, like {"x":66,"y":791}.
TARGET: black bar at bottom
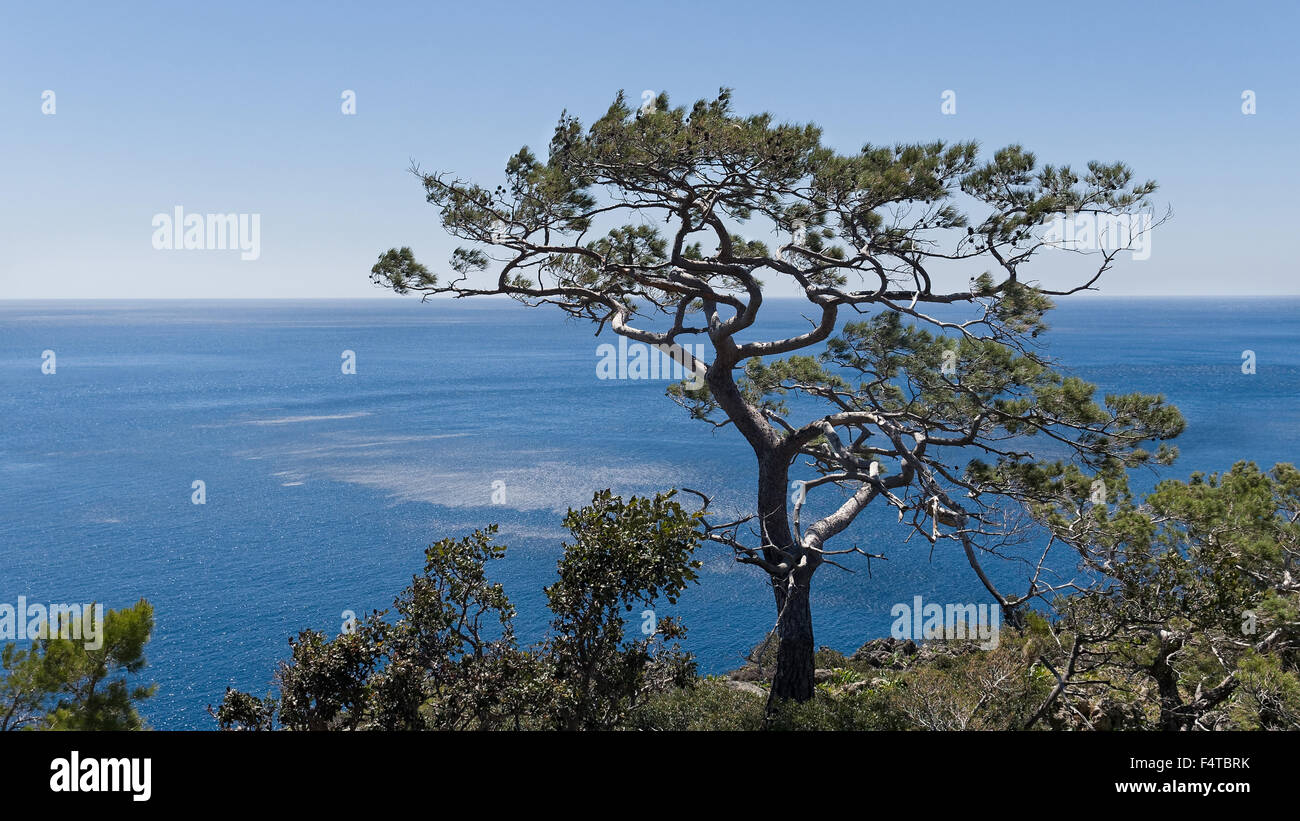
{"x":371,"y":770}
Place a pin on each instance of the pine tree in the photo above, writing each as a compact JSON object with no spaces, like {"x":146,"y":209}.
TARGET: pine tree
{"x":667,"y":224}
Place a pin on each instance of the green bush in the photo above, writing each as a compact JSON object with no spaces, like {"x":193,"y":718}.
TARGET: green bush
{"x":710,"y":704}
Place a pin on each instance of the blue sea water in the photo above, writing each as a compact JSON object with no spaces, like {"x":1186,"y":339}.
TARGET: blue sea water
{"x":323,"y":488}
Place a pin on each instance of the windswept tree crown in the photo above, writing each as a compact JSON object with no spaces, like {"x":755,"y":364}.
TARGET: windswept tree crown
{"x":667,"y":223}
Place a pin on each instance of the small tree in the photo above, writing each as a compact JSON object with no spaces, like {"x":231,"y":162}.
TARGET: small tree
{"x":64,"y":683}
{"x":623,"y":556}
{"x":1193,"y":601}
{"x":450,"y":659}
{"x":447,"y":661}
{"x":665,"y":224}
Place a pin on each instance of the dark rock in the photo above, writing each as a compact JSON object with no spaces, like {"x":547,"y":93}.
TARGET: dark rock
{"x":750,"y":672}
{"x":888,"y":653}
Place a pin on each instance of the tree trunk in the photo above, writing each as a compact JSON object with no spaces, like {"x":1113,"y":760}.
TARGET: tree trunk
{"x":793,"y":680}
{"x":1172,"y":712}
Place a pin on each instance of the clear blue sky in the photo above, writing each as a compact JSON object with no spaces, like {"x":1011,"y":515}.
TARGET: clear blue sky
{"x":235,"y":107}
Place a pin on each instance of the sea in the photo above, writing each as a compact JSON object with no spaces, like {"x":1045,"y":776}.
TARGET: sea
{"x":330,"y":441}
